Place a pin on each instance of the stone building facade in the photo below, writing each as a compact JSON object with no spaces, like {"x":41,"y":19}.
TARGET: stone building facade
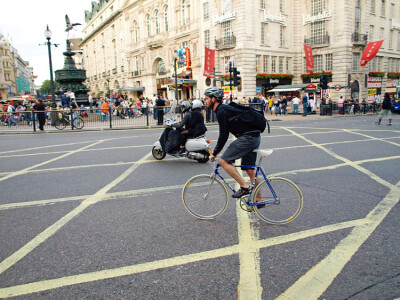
{"x":129,"y":45}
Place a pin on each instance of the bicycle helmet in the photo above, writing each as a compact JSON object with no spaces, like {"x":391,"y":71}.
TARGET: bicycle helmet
{"x":197,"y":104}
{"x":214,"y":92}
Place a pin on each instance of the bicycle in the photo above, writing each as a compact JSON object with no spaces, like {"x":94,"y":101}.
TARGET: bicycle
{"x":206,"y":196}
{"x":65,"y":120}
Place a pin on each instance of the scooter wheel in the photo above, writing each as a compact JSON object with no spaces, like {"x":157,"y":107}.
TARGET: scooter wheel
{"x":158,"y":153}
{"x":204,"y":160}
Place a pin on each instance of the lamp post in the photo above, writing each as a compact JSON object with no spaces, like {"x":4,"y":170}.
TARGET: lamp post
{"x":176,"y":75}
{"x":47,"y":34}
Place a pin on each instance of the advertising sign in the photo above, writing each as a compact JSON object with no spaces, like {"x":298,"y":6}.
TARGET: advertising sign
{"x":309,"y":59}
{"x":392,"y":82}
{"x":370,"y":51}
{"x":209,"y":63}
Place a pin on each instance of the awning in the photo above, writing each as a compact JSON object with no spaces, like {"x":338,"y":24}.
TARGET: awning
{"x":391,"y":90}
{"x":288,"y":88}
{"x":133,"y":88}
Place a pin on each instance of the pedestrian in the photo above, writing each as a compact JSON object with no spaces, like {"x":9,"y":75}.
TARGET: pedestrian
{"x":40,"y":107}
{"x":270,"y":104}
{"x":296,"y":102}
{"x":341,"y":105}
{"x":91,"y":102}
{"x":160,"y":103}
{"x":105,"y":107}
{"x":305,"y":105}
{"x":11,"y":115}
{"x":247,"y":140}
{"x":386,"y":110}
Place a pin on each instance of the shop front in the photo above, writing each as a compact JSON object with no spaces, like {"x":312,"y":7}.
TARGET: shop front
{"x":133,"y":91}
{"x":267,"y":82}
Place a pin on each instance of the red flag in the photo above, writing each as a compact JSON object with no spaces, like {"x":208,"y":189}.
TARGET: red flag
{"x":309,"y":59}
{"x":209,"y":63}
{"x":188,"y":61}
{"x":370,"y":51}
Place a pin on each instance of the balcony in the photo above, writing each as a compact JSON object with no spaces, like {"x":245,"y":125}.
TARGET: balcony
{"x":136,"y":73}
{"x":318,"y":41}
{"x":359,"y":39}
{"x":225,"y":42}
{"x":114,"y":71}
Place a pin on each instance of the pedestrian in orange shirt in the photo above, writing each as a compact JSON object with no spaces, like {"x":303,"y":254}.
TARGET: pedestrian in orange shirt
{"x":105,"y":108}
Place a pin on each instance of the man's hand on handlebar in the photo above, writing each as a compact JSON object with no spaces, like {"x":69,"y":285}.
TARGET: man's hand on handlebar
{"x":212,"y":157}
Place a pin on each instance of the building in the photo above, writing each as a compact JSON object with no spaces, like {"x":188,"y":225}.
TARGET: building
{"x":129,"y":45}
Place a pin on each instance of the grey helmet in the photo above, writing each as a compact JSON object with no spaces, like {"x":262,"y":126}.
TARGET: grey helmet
{"x":185,"y":106}
{"x":214,"y":92}
{"x":197,"y":104}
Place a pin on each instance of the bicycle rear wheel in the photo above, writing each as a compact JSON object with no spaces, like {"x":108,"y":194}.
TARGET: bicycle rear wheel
{"x":287,"y":206}
{"x":78,"y":123}
{"x":60,"y":124}
{"x":205,"y":197}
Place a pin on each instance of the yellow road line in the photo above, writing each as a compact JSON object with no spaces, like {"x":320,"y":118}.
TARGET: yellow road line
{"x":48,"y":232}
{"x":315,"y":282}
{"x":44,"y":285}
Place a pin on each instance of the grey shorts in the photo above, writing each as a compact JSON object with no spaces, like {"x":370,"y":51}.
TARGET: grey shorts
{"x":385,"y":113}
{"x":243,"y":148}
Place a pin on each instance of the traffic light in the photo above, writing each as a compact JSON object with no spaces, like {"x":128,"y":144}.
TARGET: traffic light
{"x":323,"y":82}
{"x":236,"y":77}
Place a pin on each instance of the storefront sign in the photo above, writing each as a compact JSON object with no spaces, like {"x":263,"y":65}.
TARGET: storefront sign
{"x":392,"y":82}
{"x":325,"y":15}
{"x":209,"y":62}
{"x":372,"y":91}
{"x":274,"y":81}
{"x":311,"y":87}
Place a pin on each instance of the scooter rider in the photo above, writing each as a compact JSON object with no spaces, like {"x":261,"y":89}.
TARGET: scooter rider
{"x":247,"y":140}
{"x":192,"y":125}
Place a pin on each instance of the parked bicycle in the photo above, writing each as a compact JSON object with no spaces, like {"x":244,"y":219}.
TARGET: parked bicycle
{"x":65,"y":120}
{"x":275,"y":200}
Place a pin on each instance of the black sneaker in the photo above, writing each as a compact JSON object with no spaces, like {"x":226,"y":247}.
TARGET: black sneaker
{"x":240,"y":193}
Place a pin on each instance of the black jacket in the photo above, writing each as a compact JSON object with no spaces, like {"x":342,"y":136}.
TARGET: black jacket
{"x":194,"y":122}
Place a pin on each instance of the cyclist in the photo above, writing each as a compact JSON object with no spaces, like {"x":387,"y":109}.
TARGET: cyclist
{"x":247,"y":140}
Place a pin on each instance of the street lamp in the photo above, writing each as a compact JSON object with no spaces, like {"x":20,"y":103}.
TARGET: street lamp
{"x":176,"y":75}
{"x":47,"y":34}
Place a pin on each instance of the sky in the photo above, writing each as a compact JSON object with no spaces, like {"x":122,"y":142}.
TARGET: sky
{"x":24,"y":22}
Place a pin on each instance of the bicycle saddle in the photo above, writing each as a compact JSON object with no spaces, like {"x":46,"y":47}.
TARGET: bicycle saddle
{"x":263,"y":152}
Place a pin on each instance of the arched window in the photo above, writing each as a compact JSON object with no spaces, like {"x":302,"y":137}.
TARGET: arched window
{"x":157,"y":17}
{"x":185,"y":15}
{"x":135,"y":32}
{"x":148,"y":25}
{"x":166,"y":18}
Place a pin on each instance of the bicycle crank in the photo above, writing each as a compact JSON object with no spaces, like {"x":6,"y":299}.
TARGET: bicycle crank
{"x":244,"y":206}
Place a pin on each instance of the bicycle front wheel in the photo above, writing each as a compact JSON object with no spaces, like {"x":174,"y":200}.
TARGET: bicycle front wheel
{"x":205,"y":197}
{"x":287,"y":205}
{"x":60,"y":124}
{"x":78,"y":123}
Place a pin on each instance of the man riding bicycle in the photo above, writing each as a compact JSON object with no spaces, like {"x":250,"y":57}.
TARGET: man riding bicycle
{"x":247,"y":140}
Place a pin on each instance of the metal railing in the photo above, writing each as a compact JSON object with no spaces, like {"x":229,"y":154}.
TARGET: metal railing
{"x":316,"y":41}
{"x":359,"y":39}
{"x":225,"y":42}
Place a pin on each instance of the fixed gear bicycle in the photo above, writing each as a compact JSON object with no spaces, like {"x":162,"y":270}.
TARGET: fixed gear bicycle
{"x":61,"y":123}
{"x":275,"y":200}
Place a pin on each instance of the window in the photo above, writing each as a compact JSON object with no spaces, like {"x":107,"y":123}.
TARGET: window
{"x":382,"y":32}
{"x":157,"y":17}
{"x":383,"y":8}
{"x":273,"y":64}
{"x":281,"y":60}
{"x":317,"y":7}
{"x":318,"y":63}
{"x":205,"y":11}
{"x":264,"y":33}
{"x":328,"y":62}
{"x":115,"y":53}
{"x":283,"y":36}
{"x":391,"y":36}
{"x":226,"y":6}
{"x":373,"y":6}
{"x":148,"y":25}
{"x":371,"y":33}
{"x":266,"y":63}
{"x":166,"y":18}
{"x":226,"y":29}
{"x":263,"y":4}
{"x":317,"y":32}
{"x":356,"y":61}
{"x":226,"y":61}
{"x":282,"y":6}
{"x":398,"y":41}
{"x":288,"y":65}
{"x":391,"y":10}
{"x":258,"y":63}
{"x":185,"y":16}
{"x":207,"y":38}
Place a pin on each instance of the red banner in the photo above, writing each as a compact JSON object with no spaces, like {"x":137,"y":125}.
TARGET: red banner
{"x":188,"y":62}
{"x":309,"y":59}
{"x":370,"y":51}
{"x":209,"y":63}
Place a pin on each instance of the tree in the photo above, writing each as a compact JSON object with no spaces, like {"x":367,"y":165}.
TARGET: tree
{"x":46,"y":87}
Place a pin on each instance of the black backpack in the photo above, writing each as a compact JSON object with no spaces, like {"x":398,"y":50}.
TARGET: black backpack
{"x":253,"y":118}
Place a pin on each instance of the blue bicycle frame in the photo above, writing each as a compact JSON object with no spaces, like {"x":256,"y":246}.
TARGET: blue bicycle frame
{"x":258,"y":168}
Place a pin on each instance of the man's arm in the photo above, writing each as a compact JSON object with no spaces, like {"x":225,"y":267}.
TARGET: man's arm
{"x":184,"y":121}
{"x":223,"y":133}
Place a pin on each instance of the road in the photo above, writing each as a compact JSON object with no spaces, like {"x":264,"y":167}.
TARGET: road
{"x":94,"y":215}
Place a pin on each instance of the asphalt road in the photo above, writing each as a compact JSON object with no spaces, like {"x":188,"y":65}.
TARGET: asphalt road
{"x":92,"y":215}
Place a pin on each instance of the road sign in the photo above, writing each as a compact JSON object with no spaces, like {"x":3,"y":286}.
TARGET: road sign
{"x":338,"y":87}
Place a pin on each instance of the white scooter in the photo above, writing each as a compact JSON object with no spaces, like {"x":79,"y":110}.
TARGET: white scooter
{"x":197,"y":148}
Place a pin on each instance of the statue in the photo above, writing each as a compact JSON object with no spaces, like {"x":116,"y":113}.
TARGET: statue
{"x":69,"y":25}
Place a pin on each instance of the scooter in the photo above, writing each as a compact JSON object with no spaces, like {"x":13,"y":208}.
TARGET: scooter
{"x":196,"y":148}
